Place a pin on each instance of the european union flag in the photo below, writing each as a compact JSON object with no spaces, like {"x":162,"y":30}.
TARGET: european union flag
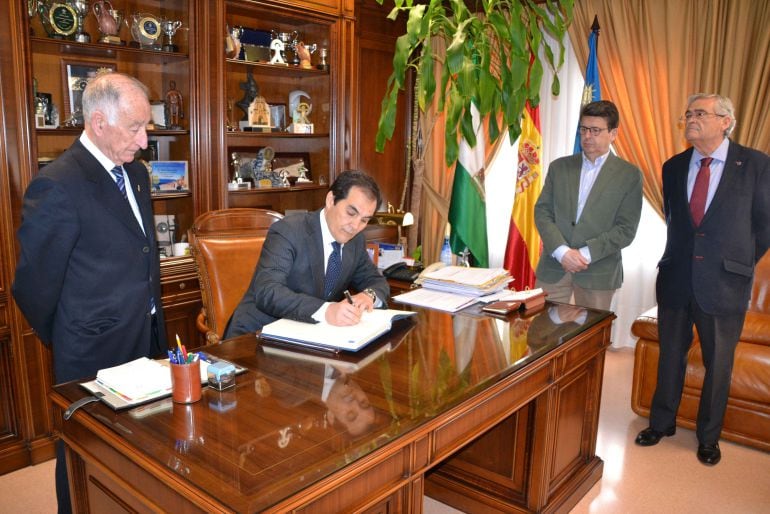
{"x":591,"y":91}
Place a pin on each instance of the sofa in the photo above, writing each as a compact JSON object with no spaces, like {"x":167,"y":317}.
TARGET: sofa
{"x":747,"y":420}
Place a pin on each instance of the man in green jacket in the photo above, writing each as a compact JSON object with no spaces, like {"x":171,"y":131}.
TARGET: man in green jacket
{"x":588,"y":211}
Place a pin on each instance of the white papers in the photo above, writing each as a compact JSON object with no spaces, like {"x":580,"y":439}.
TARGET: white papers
{"x":441,"y":300}
{"x":332,"y":337}
{"x":467,"y":281}
{"x":140,"y":378}
{"x":512,"y":296}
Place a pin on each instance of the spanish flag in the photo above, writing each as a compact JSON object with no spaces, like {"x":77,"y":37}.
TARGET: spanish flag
{"x":524,"y":245}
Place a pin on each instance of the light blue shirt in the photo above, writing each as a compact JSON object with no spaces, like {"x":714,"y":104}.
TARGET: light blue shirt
{"x":588,"y":173}
{"x":716,"y":167}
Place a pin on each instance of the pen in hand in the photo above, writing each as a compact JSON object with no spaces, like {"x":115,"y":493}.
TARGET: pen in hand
{"x":350,"y":298}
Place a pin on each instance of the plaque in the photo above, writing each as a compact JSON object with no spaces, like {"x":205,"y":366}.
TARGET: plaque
{"x":59,"y":19}
{"x":146,"y":30}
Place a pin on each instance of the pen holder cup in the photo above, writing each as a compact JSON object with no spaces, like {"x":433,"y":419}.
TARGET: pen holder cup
{"x":186,"y":382}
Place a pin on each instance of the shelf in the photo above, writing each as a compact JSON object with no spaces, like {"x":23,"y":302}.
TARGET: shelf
{"x":270,"y":190}
{"x":274,"y":69}
{"x":69,"y":131}
{"x":169,"y":196}
{"x":104,"y":51}
{"x":247,"y":138}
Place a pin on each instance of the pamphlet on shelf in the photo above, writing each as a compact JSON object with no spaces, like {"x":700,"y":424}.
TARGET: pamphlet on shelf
{"x":334,"y":338}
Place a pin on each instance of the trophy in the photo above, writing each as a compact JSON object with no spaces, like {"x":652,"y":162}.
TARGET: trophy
{"x":146,"y":31}
{"x":59,"y":20}
{"x":81,"y":9}
{"x":324,"y":54}
{"x":233,"y":42}
{"x":169,"y":28}
{"x":108,"y":20}
{"x":303,"y":51}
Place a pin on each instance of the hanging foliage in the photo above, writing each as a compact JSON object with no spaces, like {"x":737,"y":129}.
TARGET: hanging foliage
{"x":492,"y":60}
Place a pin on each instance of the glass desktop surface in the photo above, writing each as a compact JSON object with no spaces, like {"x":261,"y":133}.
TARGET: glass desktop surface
{"x":294,"y":419}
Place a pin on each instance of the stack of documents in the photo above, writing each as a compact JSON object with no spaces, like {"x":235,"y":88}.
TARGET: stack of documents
{"x":455,"y":287}
{"x":467,"y":281}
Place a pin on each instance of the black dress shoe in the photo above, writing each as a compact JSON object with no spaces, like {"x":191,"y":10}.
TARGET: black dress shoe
{"x":650,"y":437}
{"x":709,"y":454}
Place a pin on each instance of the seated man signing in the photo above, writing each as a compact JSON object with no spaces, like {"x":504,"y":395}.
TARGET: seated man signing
{"x":310,"y":260}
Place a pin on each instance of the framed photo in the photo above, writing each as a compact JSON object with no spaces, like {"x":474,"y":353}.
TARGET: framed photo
{"x":75,"y":76}
{"x":293,"y":163}
{"x":169,"y":176}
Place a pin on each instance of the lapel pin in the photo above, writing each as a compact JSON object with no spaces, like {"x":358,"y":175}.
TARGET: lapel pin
{"x":138,"y":188}
{"x":738,"y":163}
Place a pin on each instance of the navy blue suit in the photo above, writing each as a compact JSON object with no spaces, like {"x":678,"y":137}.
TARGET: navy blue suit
{"x":289,"y":279}
{"x":87,"y":272}
{"x":705,"y":277}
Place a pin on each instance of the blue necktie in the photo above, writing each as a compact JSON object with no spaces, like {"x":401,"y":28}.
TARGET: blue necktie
{"x":333,"y":269}
{"x":119,"y":180}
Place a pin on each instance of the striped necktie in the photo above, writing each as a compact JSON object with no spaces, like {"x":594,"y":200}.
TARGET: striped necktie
{"x":333,"y":269}
{"x":120,"y":180}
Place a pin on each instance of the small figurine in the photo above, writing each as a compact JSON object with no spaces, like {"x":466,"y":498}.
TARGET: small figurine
{"x":259,"y":113}
{"x":250,"y":92}
{"x":277,"y":47}
{"x":174,"y":106}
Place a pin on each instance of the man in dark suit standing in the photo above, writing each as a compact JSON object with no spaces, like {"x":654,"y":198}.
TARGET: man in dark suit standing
{"x":88,"y":277}
{"x":716,"y":200}
{"x":588,"y":211}
{"x":309,"y":260}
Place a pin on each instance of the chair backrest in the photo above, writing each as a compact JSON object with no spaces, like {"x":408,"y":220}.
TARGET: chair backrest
{"x":226,"y":245}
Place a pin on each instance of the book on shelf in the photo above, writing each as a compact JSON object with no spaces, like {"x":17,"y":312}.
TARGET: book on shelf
{"x":324,"y":336}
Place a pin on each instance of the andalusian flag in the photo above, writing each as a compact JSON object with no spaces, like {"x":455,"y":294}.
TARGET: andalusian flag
{"x":591,"y":91}
{"x":523,"y":251}
{"x":467,"y":210}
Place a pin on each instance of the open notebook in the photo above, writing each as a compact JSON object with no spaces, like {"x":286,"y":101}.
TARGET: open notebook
{"x":324,"y":336}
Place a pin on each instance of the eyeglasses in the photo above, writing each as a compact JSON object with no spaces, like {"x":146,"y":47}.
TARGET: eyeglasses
{"x":699,"y":115}
{"x":595,"y":131}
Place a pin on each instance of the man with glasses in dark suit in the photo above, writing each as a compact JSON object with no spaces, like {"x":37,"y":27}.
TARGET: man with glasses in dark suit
{"x":716,"y":201}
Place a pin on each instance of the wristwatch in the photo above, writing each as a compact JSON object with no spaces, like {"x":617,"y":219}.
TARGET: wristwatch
{"x":369,"y":291}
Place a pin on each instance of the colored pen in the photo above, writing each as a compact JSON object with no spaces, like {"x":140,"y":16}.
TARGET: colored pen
{"x":350,"y":298}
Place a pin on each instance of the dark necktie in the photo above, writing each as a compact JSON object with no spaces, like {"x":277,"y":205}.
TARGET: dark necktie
{"x":700,"y":191}
{"x":120,"y":180}
{"x":333,"y":269}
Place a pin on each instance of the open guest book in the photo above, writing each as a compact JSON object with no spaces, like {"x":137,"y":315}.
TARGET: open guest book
{"x":324,"y":336}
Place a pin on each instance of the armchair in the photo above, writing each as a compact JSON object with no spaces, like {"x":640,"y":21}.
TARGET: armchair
{"x":226,"y":245}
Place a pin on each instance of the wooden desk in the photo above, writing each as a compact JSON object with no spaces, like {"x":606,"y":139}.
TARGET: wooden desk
{"x":482,"y":413}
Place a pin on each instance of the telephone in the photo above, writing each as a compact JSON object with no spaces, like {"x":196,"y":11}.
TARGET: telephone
{"x":401,"y":271}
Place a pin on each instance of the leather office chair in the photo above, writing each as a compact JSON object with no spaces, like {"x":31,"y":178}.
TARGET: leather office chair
{"x":226,"y":245}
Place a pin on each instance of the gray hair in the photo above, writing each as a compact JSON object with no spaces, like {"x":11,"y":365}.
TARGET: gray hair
{"x":105,"y":92}
{"x":724,"y":107}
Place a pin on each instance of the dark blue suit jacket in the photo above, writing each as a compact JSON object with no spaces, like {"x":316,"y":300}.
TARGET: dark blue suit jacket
{"x":87,"y":272}
{"x":289,"y":279}
{"x":715,"y":261}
